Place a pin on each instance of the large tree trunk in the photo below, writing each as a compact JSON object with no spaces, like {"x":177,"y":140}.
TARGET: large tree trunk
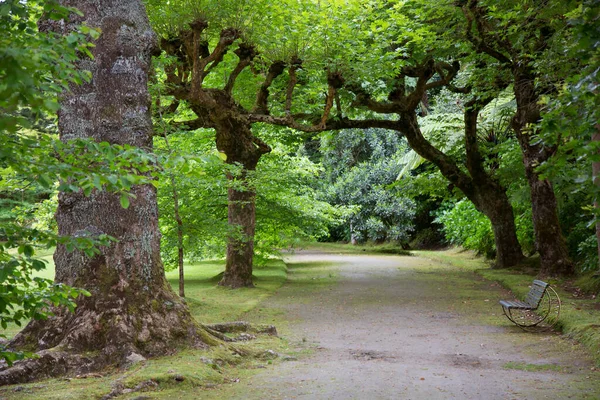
{"x":549,"y":239}
{"x":495,"y":205}
{"x":132,"y":309}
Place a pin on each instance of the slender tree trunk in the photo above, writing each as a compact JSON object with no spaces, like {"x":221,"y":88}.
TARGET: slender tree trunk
{"x":234,"y":137}
{"x":179,"y":222}
{"x":132,"y":310}
{"x":179,"y":237}
{"x":550,"y":241}
{"x":353,"y":240}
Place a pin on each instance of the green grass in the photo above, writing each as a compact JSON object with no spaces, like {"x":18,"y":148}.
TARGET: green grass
{"x":47,"y":273}
{"x":345,"y":248}
{"x":211,"y":303}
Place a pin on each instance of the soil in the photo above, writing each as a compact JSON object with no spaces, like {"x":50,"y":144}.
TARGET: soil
{"x":402,"y":327}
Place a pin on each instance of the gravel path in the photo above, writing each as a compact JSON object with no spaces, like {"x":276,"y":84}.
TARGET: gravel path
{"x":408,"y":328}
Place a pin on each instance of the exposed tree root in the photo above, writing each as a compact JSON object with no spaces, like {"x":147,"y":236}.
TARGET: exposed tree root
{"x":66,"y":360}
{"x":243,"y":327}
{"x":47,"y":364}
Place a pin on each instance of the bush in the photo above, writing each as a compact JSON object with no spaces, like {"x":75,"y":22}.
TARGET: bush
{"x":463,"y":225}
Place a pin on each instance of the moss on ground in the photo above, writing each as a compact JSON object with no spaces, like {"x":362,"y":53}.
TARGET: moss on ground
{"x":533,"y":367}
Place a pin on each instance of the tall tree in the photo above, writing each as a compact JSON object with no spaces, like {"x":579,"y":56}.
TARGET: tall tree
{"x":524,"y":53}
{"x":395,"y":86}
{"x":399,"y":87}
{"x":215,"y":105}
{"x":132,"y":309}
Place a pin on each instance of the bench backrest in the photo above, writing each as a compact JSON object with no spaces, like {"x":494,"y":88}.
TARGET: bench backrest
{"x":534,"y":297}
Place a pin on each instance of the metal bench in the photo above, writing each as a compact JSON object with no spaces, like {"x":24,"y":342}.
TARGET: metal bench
{"x":541,"y":304}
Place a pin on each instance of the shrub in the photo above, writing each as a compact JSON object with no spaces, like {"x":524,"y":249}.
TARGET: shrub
{"x":463,"y":225}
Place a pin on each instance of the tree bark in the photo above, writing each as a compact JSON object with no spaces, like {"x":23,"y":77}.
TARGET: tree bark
{"x":234,"y":138}
{"x":240,"y":243}
{"x":550,"y":241}
{"x":494,"y":203}
{"x":132,"y":308}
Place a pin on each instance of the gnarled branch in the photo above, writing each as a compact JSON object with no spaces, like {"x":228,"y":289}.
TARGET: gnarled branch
{"x":262,"y":96}
{"x":246,"y":53}
{"x":295,"y":65}
{"x":475,"y":16}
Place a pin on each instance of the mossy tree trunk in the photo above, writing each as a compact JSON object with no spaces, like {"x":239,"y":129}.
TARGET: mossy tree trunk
{"x":132,"y":308}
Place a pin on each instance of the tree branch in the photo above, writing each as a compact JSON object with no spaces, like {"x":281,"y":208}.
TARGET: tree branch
{"x":246,"y":54}
{"x":410,"y":127}
{"x":331,"y":125}
{"x":475,"y":15}
{"x":335,"y":80}
{"x":228,"y":36}
{"x":474,"y":158}
{"x":194,"y":124}
{"x":363,"y":98}
{"x":295,"y":65}
{"x":424,"y":72}
{"x":262,"y":96}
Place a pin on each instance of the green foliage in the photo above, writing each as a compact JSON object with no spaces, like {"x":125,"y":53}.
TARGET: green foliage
{"x":360,"y":167}
{"x":28,"y":59}
{"x":202,"y":190}
{"x":570,"y":168}
{"x":370,"y":42}
{"x":287,"y":208}
{"x":463,"y":225}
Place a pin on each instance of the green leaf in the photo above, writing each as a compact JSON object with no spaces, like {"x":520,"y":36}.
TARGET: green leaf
{"x":124,"y":201}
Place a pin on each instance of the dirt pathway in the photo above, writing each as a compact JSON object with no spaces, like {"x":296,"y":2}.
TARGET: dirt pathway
{"x":409,"y":328}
